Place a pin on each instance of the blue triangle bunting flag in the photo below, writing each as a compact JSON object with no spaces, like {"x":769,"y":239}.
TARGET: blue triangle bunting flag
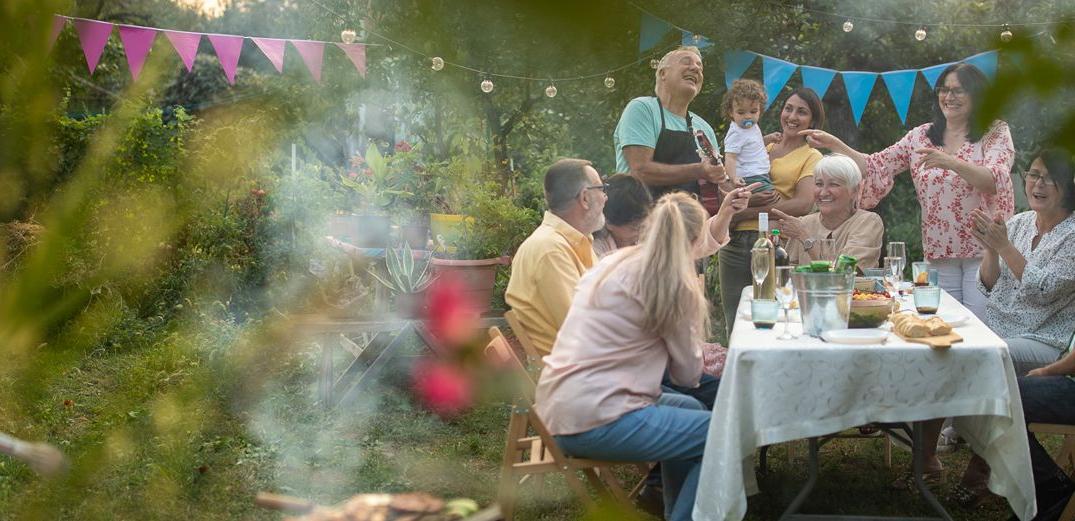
{"x":651,"y":32}
{"x":932,"y":73}
{"x":986,"y":61}
{"x":735,"y":64}
{"x":900,"y":85}
{"x":776,"y":73}
{"x":859,"y":85}
{"x":695,"y":39}
{"x":817,"y":79}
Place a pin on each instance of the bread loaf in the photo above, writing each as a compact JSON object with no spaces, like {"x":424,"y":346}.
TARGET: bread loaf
{"x":911,"y":326}
{"x":938,"y":327}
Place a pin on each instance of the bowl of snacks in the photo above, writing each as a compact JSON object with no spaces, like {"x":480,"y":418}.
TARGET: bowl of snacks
{"x":869,"y":308}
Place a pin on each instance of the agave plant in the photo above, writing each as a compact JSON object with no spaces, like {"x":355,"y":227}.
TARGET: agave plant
{"x":404,"y":275}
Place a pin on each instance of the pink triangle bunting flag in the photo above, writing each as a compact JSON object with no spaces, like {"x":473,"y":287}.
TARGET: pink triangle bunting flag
{"x":185,"y":45}
{"x":273,"y":49}
{"x":58,"y":23}
{"x":93,"y":36}
{"x":357,"y":53}
{"x":228,"y":47}
{"x":312,"y":54}
{"x":136,"y":44}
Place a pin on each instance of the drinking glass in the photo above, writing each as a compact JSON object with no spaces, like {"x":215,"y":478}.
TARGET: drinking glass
{"x":759,"y":265}
{"x":827,"y":250}
{"x":764,"y":312}
{"x":917,"y":269}
{"x":898,"y":250}
{"x":785,"y":294}
{"x":927,"y":299}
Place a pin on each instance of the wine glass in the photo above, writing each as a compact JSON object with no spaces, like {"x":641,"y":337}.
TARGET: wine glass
{"x":785,"y":294}
{"x":899,"y":250}
{"x":759,"y":266}
{"x":827,"y":250}
{"x":893,"y":275}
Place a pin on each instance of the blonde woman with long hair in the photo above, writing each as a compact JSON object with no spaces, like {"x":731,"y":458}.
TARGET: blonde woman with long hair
{"x":637,"y":314}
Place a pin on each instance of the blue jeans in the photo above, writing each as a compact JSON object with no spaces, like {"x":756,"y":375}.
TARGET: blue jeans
{"x":706,"y":392}
{"x":1048,"y":399}
{"x":674,"y":436}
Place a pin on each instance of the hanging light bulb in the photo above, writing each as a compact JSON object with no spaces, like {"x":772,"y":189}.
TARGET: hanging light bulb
{"x":347,"y":36}
{"x":487,"y":85}
{"x":654,"y":63}
{"x":550,"y":91}
{"x":610,"y":82}
{"x":438,"y":63}
{"x":1006,"y":34}
{"x":920,"y":34}
{"x":696,"y":37}
{"x":849,"y":26}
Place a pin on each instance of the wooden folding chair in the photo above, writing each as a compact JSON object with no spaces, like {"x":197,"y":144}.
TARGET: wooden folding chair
{"x":532,"y":451}
{"x":1065,"y":459}
{"x":534,"y":363}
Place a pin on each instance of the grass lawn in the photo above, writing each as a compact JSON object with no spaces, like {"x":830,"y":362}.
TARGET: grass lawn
{"x":107,"y":414}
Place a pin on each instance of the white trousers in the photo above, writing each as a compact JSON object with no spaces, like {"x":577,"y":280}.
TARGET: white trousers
{"x":959,"y":277}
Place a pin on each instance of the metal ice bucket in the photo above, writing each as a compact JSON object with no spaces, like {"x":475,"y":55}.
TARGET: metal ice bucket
{"x":825,"y":299}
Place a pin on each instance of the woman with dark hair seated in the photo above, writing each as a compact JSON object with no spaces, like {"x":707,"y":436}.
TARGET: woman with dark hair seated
{"x":629,"y":203}
{"x":1028,"y":265}
{"x":1028,"y":274}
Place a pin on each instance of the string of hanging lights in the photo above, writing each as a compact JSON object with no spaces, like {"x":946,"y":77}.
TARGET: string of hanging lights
{"x":438,"y":63}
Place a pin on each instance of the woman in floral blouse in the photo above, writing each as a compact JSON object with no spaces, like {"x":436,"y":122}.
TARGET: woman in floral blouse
{"x":956,"y":168}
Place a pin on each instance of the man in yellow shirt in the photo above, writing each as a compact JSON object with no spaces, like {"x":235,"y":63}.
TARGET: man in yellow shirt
{"x":549,"y":263}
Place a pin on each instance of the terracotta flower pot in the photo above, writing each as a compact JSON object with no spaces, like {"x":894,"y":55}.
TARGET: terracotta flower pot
{"x":411,"y":305}
{"x":479,"y":277}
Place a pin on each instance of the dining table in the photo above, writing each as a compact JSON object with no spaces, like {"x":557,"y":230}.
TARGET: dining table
{"x":774,"y":391}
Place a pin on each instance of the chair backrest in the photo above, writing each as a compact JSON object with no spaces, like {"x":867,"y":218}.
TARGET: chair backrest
{"x":533,"y":356}
{"x":499,"y":352}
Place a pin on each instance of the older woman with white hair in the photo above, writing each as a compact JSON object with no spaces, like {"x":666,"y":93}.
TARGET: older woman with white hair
{"x":837,"y":182}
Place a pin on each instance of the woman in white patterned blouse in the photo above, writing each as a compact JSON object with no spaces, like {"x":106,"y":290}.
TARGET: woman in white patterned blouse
{"x":1028,"y":265}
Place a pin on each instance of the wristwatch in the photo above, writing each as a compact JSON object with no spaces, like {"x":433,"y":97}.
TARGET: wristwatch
{"x":808,"y":243}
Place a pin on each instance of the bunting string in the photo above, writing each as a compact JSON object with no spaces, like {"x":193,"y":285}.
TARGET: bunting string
{"x":137,"y":41}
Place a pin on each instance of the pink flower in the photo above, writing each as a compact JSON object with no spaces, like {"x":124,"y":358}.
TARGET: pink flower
{"x":453,"y":316}
{"x":352,"y":175}
{"x":403,"y":146}
{"x":368,"y":172}
{"x":357,"y":160}
{"x":442,"y":388}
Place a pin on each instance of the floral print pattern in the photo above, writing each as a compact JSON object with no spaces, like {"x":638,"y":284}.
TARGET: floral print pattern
{"x":946,"y":198}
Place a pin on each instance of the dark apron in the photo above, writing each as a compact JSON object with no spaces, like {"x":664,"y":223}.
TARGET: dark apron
{"x":675,"y":147}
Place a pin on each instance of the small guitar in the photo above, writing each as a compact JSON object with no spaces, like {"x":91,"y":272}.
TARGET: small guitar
{"x":709,"y":192}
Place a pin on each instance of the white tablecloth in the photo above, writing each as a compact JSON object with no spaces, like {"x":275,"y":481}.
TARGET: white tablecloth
{"x":774,"y":391}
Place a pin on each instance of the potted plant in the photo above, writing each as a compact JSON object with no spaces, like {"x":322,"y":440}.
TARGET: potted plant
{"x":496,"y":227}
{"x":375,"y":188}
{"x":406,"y":279}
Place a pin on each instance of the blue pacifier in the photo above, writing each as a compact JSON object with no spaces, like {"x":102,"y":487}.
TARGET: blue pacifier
{"x":747,"y":123}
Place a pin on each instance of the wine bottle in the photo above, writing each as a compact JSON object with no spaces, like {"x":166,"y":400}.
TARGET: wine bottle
{"x":781,"y":257}
{"x":767,"y":289}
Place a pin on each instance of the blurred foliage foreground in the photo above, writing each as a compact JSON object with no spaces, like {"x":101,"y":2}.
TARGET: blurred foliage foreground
{"x":150,"y":261}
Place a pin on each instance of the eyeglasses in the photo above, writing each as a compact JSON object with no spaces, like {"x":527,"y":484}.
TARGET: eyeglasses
{"x":603,"y":187}
{"x":1033,"y":176}
{"x":957,"y":92}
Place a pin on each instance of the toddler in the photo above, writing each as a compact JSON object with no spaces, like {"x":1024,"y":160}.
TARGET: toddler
{"x":745,"y":156}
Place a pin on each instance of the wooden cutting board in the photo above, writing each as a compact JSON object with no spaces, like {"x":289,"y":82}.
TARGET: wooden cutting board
{"x":936,"y":342}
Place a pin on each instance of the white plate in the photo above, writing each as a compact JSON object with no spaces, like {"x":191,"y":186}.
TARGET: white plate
{"x":953,"y":319}
{"x":795,"y":315}
{"x":855,"y":336}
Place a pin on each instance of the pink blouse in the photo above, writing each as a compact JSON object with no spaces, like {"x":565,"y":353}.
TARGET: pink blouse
{"x":946,"y":198}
